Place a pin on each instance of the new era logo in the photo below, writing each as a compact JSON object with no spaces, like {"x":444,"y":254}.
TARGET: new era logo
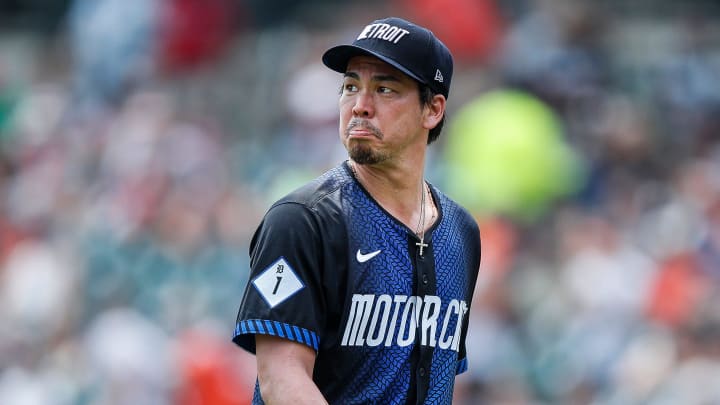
{"x":438,"y":76}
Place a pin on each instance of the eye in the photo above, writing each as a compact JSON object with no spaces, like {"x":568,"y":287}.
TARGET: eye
{"x":384,"y":90}
{"x":349,"y":88}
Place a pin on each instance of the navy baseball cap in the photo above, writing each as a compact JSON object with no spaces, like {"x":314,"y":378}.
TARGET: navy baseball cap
{"x":412,"y":49}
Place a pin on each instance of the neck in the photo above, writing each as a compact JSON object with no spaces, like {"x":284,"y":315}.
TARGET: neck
{"x":399,"y":190}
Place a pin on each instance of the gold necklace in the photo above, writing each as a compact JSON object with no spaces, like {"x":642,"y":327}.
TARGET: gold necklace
{"x":420,"y":231}
{"x":421,"y":222}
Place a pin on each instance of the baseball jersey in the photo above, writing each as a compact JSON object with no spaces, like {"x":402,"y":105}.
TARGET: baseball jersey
{"x":331,"y":269}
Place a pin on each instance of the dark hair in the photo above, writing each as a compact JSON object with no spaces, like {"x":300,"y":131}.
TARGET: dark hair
{"x":426,"y":96}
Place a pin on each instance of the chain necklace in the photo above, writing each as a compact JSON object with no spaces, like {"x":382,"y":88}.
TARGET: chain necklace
{"x":421,"y":220}
{"x":420,"y":230}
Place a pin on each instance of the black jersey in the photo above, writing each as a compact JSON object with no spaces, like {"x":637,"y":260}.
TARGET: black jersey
{"x":333,"y":270}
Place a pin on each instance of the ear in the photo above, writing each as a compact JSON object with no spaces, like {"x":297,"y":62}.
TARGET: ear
{"x":434,"y":111}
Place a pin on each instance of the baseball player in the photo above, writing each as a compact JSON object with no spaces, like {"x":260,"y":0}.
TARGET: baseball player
{"x":362,"y":279}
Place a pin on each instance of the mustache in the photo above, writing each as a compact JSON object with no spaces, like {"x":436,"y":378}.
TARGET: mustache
{"x":364,"y":124}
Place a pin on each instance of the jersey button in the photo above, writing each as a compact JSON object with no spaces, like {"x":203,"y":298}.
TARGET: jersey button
{"x":422,"y":371}
{"x":425,"y":279}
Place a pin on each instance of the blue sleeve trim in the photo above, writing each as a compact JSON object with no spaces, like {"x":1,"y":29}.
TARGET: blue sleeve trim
{"x":462,"y":366}
{"x":275,"y":328}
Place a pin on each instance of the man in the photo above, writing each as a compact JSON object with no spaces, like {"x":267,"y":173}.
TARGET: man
{"x":362,"y":279}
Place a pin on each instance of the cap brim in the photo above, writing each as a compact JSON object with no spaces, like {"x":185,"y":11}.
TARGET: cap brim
{"x":337,"y":58}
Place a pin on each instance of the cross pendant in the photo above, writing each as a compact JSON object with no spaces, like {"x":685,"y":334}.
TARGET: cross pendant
{"x":421,"y":245}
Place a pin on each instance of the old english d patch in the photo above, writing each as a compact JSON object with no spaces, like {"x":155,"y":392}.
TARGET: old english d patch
{"x":277,"y":283}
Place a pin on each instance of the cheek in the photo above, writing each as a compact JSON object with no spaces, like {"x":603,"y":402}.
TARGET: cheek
{"x":344,"y":107}
{"x":345,"y":116}
{"x":345,"y":110}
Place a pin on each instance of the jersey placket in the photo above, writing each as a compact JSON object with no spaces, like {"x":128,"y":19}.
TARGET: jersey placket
{"x":424,"y":285}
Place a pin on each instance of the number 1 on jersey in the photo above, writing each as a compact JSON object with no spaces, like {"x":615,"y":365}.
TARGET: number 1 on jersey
{"x":277,"y":285}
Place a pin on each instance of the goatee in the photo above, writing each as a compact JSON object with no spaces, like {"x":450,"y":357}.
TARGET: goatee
{"x":364,"y":155}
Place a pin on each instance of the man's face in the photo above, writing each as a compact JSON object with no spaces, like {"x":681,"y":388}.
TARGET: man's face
{"x":380,"y":112}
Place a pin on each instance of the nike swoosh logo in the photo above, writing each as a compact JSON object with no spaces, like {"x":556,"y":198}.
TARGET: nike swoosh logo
{"x":362,"y":258}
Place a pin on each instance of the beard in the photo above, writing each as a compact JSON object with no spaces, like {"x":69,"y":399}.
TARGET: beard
{"x":360,"y":152}
{"x":364,"y":155}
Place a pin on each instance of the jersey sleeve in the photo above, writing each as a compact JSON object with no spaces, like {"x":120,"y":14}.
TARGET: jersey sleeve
{"x":283,"y":297}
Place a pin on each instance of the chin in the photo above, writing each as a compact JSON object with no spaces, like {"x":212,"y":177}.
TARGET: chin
{"x":363,"y":155}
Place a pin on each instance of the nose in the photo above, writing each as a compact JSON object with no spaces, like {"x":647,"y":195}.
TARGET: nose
{"x":363,"y":106}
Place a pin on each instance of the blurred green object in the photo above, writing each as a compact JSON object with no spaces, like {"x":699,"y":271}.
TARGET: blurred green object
{"x":507,"y":155}
{"x":288,"y":180}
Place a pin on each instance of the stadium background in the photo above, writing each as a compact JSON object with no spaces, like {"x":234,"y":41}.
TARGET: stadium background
{"x":142,"y":140}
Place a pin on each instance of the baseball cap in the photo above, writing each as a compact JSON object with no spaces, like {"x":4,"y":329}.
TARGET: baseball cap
{"x":410,"y":48}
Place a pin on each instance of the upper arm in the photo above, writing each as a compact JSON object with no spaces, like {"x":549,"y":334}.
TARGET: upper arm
{"x":276,"y":354}
{"x":285,"y":371}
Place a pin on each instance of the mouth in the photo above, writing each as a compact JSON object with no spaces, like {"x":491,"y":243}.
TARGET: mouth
{"x":360,"y":133}
{"x":361,"y":130}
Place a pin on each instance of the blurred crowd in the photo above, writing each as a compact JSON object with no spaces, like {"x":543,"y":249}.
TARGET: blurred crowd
{"x":141,"y":142}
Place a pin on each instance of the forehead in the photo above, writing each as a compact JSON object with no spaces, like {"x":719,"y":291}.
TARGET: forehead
{"x":374,"y":65}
